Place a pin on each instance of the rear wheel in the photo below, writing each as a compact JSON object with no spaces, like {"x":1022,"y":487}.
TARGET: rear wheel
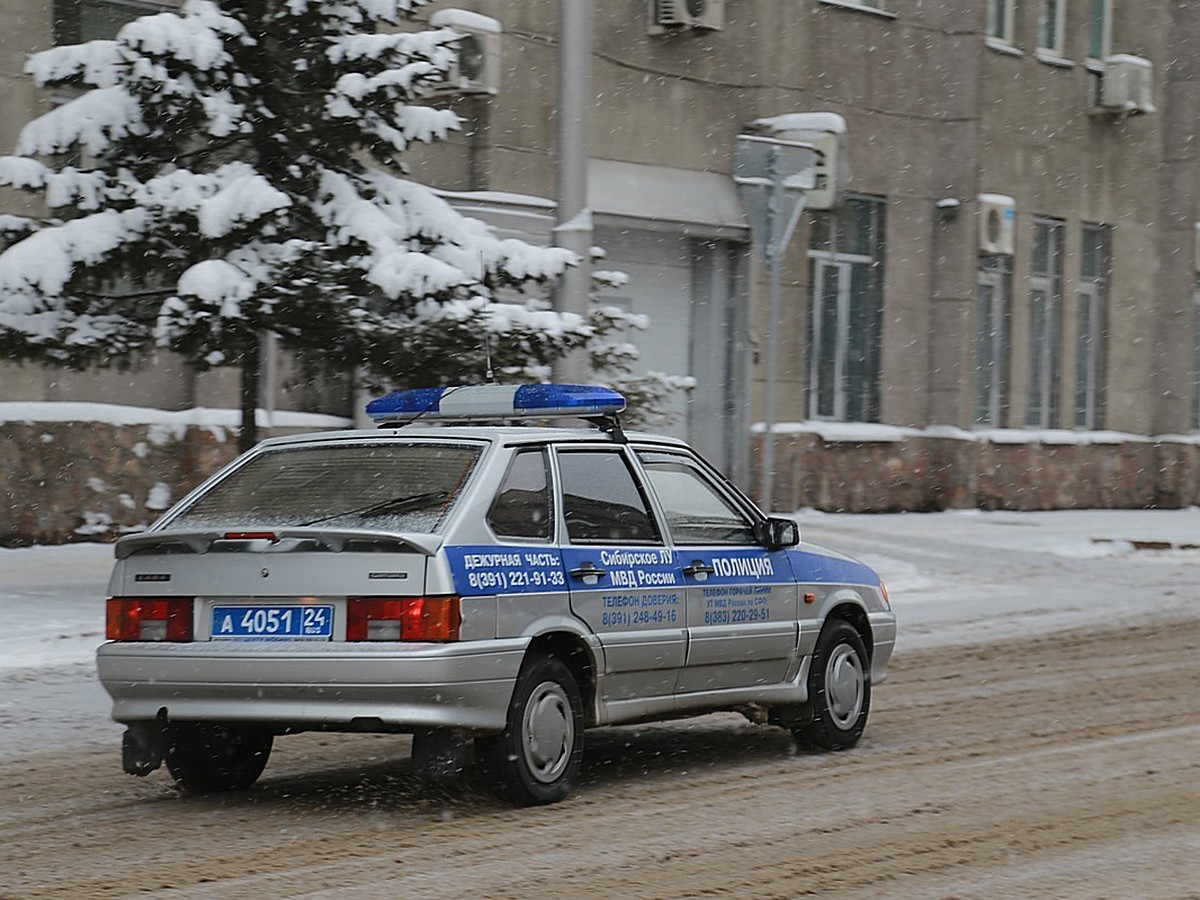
{"x":538,"y":756}
{"x":207,"y":758}
{"x":839,"y":690}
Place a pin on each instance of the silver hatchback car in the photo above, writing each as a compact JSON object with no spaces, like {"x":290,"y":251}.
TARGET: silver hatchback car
{"x":472,"y":581}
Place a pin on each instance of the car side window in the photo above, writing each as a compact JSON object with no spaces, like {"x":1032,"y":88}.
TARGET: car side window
{"x":602,"y":503}
{"x":522,"y":508}
{"x":696,"y":510}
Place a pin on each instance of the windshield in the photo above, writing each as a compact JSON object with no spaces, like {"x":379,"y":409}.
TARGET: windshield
{"x":389,"y":487}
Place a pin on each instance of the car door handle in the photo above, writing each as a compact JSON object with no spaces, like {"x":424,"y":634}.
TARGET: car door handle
{"x":699,"y":570}
{"x":588,"y":573}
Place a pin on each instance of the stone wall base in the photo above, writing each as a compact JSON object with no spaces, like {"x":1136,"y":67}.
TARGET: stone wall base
{"x":86,"y":481}
{"x":923,"y":472}
{"x":77,"y":481}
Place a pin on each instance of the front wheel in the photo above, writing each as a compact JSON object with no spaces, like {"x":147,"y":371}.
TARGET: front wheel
{"x":208,"y":758}
{"x":839,"y":690}
{"x":538,"y":756}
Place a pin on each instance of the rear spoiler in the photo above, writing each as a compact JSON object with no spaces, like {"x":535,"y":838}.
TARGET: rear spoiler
{"x":277,"y":540}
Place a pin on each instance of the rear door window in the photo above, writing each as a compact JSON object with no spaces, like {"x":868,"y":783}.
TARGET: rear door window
{"x":602,"y":502}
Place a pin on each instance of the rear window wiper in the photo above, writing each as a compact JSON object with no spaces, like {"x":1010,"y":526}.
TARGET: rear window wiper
{"x":393,"y":504}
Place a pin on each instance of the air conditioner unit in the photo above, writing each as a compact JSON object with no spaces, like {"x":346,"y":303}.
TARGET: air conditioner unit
{"x":1127,"y":85}
{"x":673,"y":15}
{"x":997,"y":221}
{"x":477,"y":70}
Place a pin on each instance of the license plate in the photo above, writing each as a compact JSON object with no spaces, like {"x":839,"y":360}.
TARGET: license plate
{"x":272,"y":623}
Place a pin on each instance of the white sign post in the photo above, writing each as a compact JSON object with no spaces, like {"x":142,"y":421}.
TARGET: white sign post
{"x":772,"y":176}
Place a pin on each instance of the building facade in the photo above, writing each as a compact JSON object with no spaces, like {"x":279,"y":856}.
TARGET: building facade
{"x":1015,"y":246}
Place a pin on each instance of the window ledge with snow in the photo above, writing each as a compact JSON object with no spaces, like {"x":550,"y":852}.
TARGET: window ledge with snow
{"x":1002,"y":46}
{"x":1050,"y":58}
{"x":872,"y":433}
{"x":860,"y":7}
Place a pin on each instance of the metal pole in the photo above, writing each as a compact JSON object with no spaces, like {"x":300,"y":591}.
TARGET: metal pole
{"x":768,"y":459}
{"x":772,"y":251}
{"x":772,"y":176}
{"x":573,"y":221}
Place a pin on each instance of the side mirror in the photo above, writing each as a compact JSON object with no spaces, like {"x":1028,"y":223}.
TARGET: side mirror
{"x":776,"y":533}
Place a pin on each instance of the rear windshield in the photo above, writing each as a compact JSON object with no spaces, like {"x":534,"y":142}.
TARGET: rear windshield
{"x":389,"y":487}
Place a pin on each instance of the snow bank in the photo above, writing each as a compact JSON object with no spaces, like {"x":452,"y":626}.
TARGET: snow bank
{"x":115,"y":414}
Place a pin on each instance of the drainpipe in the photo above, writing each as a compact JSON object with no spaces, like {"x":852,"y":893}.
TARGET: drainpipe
{"x":573,"y":220}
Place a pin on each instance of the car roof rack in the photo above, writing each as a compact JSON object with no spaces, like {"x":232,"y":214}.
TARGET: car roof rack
{"x":598,"y":405}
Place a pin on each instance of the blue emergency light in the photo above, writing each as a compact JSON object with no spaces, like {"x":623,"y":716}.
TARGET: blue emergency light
{"x":497,"y":401}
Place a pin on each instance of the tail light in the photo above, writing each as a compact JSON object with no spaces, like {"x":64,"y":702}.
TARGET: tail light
{"x":402,"y":618}
{"x":149,"y":619}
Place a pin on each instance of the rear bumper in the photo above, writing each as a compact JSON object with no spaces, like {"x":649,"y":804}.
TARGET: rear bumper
{"x":361,"y":687}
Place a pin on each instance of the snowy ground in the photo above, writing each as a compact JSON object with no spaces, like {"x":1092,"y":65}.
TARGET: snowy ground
{"x":954,"y":578}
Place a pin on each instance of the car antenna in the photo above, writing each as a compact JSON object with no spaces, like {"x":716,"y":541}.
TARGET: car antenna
{"x":489,"y":375}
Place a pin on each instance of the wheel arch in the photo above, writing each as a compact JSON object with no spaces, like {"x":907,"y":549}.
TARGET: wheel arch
{"x":853,"y":613}
{"x":577,"y":656}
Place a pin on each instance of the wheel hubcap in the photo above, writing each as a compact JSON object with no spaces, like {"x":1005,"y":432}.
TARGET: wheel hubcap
{"x":844,"y":682}
{"x":549,"y":732}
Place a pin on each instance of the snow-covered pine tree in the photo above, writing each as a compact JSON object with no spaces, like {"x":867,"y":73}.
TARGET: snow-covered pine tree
{"x":231,"y":169}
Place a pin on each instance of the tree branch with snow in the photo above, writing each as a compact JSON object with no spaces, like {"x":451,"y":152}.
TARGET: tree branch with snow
{"x":243,"y":159}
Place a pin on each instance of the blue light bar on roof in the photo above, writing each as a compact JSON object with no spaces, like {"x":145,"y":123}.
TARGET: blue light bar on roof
{"x":497,"y":401}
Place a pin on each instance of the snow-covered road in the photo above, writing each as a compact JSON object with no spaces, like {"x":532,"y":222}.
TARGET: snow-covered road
{"x":954,"y":577}
{"x":1061,"y":764}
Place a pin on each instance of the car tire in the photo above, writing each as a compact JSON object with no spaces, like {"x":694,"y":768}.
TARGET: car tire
{"x":839,"y":690}
{"x":206,"y":758}
{"x":536,"y":759}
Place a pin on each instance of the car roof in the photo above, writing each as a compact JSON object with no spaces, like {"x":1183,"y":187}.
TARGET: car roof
{"x":508,"y":435}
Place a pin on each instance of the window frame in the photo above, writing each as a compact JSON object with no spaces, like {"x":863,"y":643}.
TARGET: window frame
{"x":845,"y":369}
{"x":993,"y":342}
{"x":1195,"y":411}
{"x":1045,"y":324}
{"x":1091,"y":353}
{"x":1104,"y":9}
{"x":1052,"y":44}
{"x":1002,"y":12}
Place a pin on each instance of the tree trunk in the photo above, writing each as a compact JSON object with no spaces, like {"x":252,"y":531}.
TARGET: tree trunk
{"x":251,"y":361}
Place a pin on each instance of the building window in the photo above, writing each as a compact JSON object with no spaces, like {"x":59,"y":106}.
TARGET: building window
{"x":845,"y":326}
{"x":992,"y":343}
{"x":1091,"y":352}
{"x":1099,"y":25}
{"x":1196,"y":356}
{"x":1045,"y":324}
{"x":76,"y":21}
{"x":1000,"y":20}
{"x":1050,"y":26}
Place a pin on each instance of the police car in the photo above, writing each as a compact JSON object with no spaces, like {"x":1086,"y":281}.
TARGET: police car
{"x":492,"y":588}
